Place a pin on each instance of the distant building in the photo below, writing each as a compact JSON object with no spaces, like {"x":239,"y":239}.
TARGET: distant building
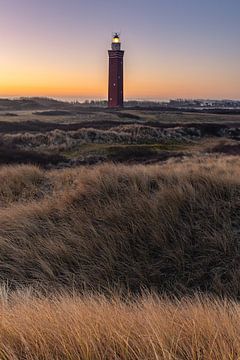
{"x":115,"y":85}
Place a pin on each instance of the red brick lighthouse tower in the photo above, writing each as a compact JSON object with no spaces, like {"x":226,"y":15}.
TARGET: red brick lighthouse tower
{"x":115,"y":85}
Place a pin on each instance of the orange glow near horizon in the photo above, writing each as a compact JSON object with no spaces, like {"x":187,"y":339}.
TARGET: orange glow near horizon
{"x":86,"y":76}
{"x":172,"y":49}
{"x":94,"y":85}
{"x":143,"y":80}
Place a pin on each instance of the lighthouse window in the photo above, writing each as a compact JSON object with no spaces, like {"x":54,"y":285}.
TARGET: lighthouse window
{"x":116,"y":40}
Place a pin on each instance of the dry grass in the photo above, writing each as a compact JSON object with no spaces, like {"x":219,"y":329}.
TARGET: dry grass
{"x":129,"y":134}
{"x":86,"y":253}
{"x":172,"y":228}
{"x":113,"y":229}
{"x":102,"y":115}
{"x":20,"y":183}
{"x":71,"y":327}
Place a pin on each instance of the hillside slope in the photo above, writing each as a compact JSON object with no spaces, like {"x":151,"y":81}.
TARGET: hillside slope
{"x":171,"y":228}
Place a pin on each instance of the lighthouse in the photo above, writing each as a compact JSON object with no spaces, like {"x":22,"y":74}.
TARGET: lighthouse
{"x":115,"y":84}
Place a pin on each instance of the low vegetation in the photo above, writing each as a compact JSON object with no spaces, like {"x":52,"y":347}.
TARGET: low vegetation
{"x":69,"y":327}
{"x":112,"y":261}
{"x":171,"y":228}
{"x":131,"y":137}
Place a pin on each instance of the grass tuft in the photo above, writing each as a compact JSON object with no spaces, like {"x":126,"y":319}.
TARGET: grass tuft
{"x":172,"y":228}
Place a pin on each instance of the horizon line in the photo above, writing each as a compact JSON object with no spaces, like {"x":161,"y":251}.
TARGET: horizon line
{"x":83,"y":98}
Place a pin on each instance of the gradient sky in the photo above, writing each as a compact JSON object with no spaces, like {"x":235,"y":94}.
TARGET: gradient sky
{"x":174,"y":48}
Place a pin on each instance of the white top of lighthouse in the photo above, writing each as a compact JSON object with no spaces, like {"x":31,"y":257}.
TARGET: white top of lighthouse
{"x":116,"y":42}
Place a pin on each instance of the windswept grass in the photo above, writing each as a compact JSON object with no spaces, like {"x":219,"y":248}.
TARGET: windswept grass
{"x":70,"y":328}
{"x":20,"y":183}
{"x":116,"y":262}
{"x":92,"y":259}
{"x":172,"y":228}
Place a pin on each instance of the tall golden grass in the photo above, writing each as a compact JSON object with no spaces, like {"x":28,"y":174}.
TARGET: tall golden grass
{"x":96,"y":328}
{"x":172,"y":228}
{"x":86,"y":252}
